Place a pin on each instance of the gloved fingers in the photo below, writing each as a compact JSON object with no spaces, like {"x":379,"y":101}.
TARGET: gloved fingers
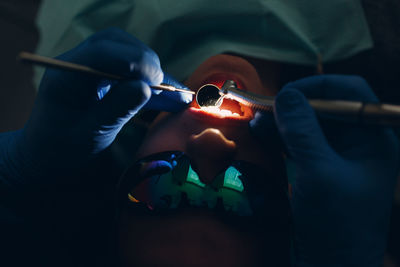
{"x":348,"y":140}
{"x":298,"y":126}
{"x":343,"y":87}
{"x":133,"y":60}
{"x":122,"y":102}
{"x":169,"y":101}
{"x":263,"y":127}
{"x":169,"y":80}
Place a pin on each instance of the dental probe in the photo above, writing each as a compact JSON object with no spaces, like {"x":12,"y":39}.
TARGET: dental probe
{"x":349,"y":111}
{"x":64,"y":65}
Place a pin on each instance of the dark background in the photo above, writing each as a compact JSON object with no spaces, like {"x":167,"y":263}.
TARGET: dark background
{"x":380,"y":66}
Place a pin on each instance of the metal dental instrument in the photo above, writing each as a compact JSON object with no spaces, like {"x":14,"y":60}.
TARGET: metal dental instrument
{"x":209,"y":95}
{"x":349,"y":111}
{"x":64,"y":65}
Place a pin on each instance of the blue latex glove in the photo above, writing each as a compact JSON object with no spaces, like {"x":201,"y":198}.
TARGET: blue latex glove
{"x":169,"y":101}
{"x":345,"y":174}
{"x":76,"y":115}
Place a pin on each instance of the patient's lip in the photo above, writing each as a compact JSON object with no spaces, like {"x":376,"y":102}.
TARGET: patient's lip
{"x":202,"y":115}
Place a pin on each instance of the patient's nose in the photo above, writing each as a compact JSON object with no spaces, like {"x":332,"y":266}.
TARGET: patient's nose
{"x":211,"y":153}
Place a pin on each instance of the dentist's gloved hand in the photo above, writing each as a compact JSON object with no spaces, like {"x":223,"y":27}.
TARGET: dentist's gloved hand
{"x":76,"y":116}
{"x":345,"y":174}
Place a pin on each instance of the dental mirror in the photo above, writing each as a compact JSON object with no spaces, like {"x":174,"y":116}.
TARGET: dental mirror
{"x":209,"y":95}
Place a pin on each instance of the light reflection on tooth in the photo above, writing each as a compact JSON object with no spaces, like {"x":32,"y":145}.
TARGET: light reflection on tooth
{"x":217,"y":110}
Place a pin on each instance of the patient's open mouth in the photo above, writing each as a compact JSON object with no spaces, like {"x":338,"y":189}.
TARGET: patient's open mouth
{"x":227,"y":109}
{"x":233,"y":106}
{"x":230,"y":110}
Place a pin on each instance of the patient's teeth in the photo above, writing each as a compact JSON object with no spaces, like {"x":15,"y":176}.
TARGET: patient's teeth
{"x":216,"y":110}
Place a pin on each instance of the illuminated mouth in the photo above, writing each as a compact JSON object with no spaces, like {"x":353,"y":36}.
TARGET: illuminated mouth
{"x":229,"y":109}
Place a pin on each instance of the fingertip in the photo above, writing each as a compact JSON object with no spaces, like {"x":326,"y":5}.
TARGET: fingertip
{"x":298,"y":125}
{"x":288,"y":100}
{"x":169,"y":101}
{"x":145,"y":91}
{"x":151,"y":74}
{"x":150,"y":68}
{"x":186,"y":98}
{"x":159,"y":77}
{"x":121,"y":103}
{"x":291,"y":109}
{"x":156,"y":92}
{"x":262,"y":120}
{"x":263,"y":126}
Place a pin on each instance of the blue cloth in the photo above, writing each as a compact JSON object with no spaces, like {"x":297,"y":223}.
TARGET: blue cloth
{"x":345,"y":174}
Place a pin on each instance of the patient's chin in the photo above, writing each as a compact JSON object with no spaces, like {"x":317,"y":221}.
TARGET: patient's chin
{"x":187,"y":239}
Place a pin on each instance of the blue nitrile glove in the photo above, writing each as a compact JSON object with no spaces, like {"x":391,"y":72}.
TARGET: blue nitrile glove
{"x":77,"y":115}
{"x":169,"y":101}
{"x":345,"y":174}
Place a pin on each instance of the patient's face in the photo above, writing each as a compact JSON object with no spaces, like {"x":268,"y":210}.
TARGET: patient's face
{"x":212,"y":141}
